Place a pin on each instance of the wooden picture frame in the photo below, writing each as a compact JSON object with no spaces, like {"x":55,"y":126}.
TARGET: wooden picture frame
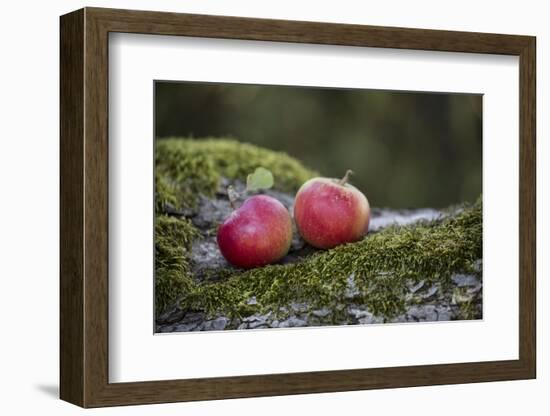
{"x":84,"y":207}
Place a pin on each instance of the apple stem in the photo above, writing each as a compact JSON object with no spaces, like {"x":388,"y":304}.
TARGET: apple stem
{"x":346,"y":177}
{"x":232,"y":195}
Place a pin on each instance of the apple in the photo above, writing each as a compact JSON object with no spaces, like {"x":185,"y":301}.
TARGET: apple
{"x":259,"y":232}
{"x":329,"y":212}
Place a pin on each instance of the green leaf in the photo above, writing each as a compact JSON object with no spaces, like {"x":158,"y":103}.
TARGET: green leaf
{"x":260,"y":179}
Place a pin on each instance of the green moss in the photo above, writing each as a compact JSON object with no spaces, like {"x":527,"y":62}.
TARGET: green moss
{"x":182,"y":174}
{"x":173,"y":278}
{"x":165,"y":193}
{"x":381,"y":263}
{"x":186,"y":168}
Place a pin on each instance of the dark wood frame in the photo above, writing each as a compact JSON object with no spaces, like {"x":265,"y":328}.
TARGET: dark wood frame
{"x":84,"y":207}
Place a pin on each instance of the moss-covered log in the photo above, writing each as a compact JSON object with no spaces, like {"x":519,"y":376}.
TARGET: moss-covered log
{"x":379,"y":267}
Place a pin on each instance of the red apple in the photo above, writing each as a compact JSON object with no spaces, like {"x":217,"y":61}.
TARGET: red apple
{"x":256,"y":234}
{"x":329,"y":212}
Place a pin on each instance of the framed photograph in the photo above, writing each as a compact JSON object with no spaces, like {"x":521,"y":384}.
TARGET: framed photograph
{"x":255,"y":207}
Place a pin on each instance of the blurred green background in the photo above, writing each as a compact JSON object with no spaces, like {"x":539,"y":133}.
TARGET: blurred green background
{"x":407,"y":149}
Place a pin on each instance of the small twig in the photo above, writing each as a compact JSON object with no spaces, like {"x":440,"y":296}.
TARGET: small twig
{"x":233,"y":196}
